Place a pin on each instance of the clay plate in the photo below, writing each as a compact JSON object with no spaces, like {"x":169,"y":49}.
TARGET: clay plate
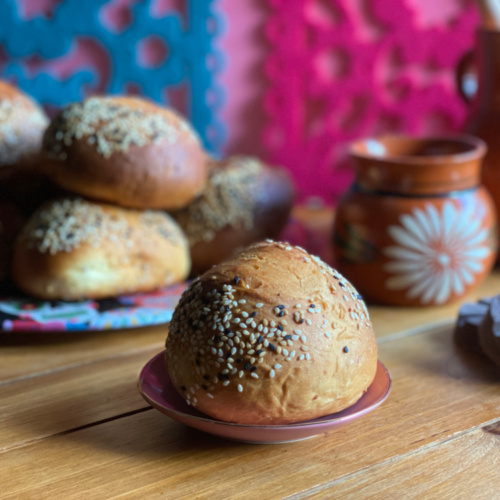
{"x":155,"y":387}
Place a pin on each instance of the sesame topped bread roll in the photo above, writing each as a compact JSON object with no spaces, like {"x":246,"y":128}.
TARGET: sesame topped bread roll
{"x":22,"y":124}
{"x":73,"y":249}
{"x":125,"y":150}
{"x":271,"y":336}
{"x":244,"y":201}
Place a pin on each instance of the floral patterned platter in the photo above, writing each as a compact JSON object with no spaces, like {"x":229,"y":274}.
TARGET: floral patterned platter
{"x":22,"y":314}
{"x":155,"y":387}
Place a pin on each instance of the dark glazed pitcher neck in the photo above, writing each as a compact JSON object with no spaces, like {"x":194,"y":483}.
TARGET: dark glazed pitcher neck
{"x":488,"y":59}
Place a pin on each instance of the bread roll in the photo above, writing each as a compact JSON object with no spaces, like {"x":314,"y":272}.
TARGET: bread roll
{"x":73,"y":249}
{"x":127,"y":151}
{"x":22,"y":124}
{"x":244,"y":201}
{"x":272,"y":336}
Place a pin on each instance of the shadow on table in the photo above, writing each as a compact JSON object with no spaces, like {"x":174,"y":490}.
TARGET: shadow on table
{"x":438,"y":353}
{"x":151,"y":435}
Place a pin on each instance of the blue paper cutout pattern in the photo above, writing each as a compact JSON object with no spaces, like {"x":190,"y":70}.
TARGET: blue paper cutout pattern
{"x":192,"y":60}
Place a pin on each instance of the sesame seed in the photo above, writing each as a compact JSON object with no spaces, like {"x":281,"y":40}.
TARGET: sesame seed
{"x":272,"y":373}
{"x":277,"y":366}
{"x":259,"y":305}
{"x":240,"y":388}
{"x":210,"y":395}
{"x":254,"y":375}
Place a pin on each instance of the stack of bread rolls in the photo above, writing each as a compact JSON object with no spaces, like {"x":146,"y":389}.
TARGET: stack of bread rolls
{"x":123,"y":191}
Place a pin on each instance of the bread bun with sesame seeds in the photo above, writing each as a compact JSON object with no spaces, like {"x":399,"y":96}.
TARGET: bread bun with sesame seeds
{"x":125,"y":150}
{"x":22,"y":125}
{"x":73,"y":249}
{"x":244,"y":201}
{"x":271,"y":336}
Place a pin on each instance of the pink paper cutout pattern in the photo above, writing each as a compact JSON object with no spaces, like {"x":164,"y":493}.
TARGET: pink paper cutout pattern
{"x":339,"y":70}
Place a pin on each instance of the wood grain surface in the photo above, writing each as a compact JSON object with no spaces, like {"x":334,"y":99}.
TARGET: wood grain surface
{"x":84,"y":428}
{"x":73,"y":425}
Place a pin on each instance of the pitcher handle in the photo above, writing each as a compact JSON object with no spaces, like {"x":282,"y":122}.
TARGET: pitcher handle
{"x":466,"y":77}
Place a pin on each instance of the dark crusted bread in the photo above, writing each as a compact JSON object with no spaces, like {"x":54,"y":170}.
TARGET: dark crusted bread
{"x":127,"y":151}
{"x":244,"y":201}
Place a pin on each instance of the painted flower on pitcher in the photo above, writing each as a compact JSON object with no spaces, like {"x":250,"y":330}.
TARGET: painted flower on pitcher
{"x":436,"y":253}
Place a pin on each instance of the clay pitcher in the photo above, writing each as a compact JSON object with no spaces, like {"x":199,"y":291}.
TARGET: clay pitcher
{"x":482,"y":92}
{"x":416,"y":228}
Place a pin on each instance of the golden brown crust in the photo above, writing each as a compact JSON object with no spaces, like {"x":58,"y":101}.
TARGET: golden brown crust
{"x":244,"y":201}
{"x":73,"y":249}
{"x":22,"y":124}
{"x":127,"y":151}
{"x":271,"y":336}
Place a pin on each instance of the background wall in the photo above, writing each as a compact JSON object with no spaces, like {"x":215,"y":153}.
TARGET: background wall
{"x":292,"y":81}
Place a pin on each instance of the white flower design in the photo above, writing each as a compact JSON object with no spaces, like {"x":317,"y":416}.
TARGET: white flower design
{"x":437,"y":253}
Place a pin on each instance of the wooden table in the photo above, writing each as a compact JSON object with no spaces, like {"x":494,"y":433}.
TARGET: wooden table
{"x":72,"y":424}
